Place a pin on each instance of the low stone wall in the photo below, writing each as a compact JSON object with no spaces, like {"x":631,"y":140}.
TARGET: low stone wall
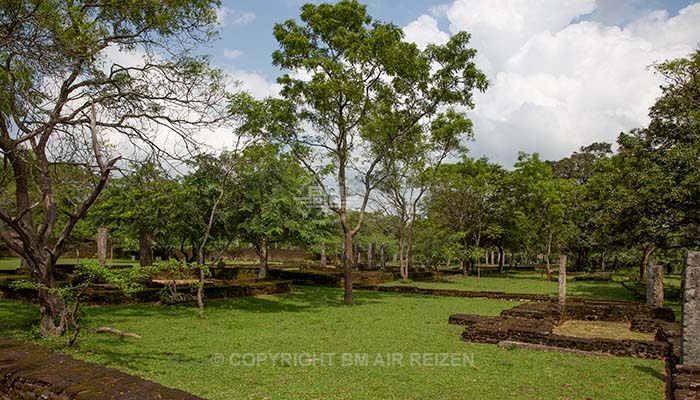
{"x":28,"y":371}
{"x":105,"y":294}
{"x":331,"y":278}
{"x":686,"y":382}
{"x":539,"y":331}
{"x":462,"y":293}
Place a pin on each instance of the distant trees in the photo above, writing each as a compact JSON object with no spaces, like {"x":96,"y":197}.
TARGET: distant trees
{"x":270,"y":202}
{"x":463,"y":202}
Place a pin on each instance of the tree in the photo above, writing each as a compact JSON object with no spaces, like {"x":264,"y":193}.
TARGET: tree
{"x":61,"y":94}
{"x":463,"y":203}
{"x":200,"y":199}
{"x":654,"y":178}
{"x":140,"y":206}
{"x":409,"y":172}
{"x":268,"y":205}
{"x":589,"y":226}
{"x":368,"y":91}
{"x":543,"y":199}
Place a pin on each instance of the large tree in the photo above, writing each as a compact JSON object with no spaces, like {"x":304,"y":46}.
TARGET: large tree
{"x":62,"y":96}
{"x":362,"y":91}
{"x":464,"y":204}
{"x":139,"y":207}
{"x":269,"y":203}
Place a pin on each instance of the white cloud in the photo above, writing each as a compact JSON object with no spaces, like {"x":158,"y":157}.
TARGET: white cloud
{"x":228,"y":16}
{"x":232,"y":53}
{"x":424,"y":31}
{"x":257,"y":85}
{"x":556,"y":86}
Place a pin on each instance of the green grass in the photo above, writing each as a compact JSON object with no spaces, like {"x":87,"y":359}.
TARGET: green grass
{"x":9,"y":263}
{"x":177,"y":347}
{"x":525,"y":283}
{"x":12,"y":263}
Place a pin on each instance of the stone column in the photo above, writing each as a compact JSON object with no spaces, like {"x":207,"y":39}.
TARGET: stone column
{"x":655,"y":284}
{"x":101,"y":245}
{"x":370,"y":256}
{"x":657,"y":296}
{"x":690,"y":334}
{"x":323,"y":255}
{"x":562,"y":281}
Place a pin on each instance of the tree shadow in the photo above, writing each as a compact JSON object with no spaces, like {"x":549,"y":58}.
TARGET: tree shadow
{"x":304,"y":298}
{"x":651,"y":371}
{"x":15,"y":315}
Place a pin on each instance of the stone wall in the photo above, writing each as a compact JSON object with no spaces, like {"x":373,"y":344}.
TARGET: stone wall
{"x":106,"y":294}
{"x":28,"y":371}
{"x":462,"y":293}
{"x":539,"y":331}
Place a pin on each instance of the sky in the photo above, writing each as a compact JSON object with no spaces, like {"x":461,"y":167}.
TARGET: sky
{"x":563,"y":73}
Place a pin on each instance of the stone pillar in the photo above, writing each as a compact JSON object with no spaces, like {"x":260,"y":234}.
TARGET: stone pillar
{"x":655,"y":284}
{"x":101,"y":245}
{"x":657,"y":297}
{"x":370,"y":256}
{"x":690,"y":334}
{"x":323,"y":255}
{"x":562,"y":281}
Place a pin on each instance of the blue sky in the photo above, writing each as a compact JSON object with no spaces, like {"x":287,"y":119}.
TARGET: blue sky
{"x":563,"y":73}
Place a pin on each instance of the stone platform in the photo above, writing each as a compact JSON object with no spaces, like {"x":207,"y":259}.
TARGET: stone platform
{"x":29,"y":371}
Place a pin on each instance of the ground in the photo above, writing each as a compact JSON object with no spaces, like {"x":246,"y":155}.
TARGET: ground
{"x":180,"y":350}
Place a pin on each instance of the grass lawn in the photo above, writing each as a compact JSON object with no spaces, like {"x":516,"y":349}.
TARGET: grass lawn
{"x":177,"y":349}
{"x":601,"y":329}
{"x":9,"y":263}
{"x":522,"y":282}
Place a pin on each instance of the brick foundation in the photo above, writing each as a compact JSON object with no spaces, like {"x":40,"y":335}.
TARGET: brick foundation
{"x":28,"y":371}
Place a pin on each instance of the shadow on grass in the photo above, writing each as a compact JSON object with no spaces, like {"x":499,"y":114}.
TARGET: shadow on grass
{"x":304,"y":298}
{"x":138,"y":361}
{"x":651,"y":371}
{"x":15,"y":315}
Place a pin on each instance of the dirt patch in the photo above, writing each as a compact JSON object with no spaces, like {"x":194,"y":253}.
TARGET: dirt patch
{"x":600,"y":330}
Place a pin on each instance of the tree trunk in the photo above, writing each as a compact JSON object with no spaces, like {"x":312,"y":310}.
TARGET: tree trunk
{"x":200,"y":287}
{"x":145,"y":249}
{"x":602,"y":259}
{"x":463,"y":266}
{"x":347,"y":267}
{"x":371,"y":264}
{"x":501,"y":259}
{"x":262,"y":253}
{"x":549,"y":252}
{"x":51,"y":306}
{"x":403,"y":262}
{"x":382,"y":257}
{"x":647,"y":251}
{"x":355,"y":256}
{"x":323,"y":255}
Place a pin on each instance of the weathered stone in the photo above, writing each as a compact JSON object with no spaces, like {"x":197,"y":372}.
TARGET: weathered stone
{"x":690,"y":336}
{"x":655,"y":284}
{"x":562,"y":280}
{"x":657,"y":290}
{"x":101,"y":245}
{"x":323,"y":255}
{"x":32,"y":372}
